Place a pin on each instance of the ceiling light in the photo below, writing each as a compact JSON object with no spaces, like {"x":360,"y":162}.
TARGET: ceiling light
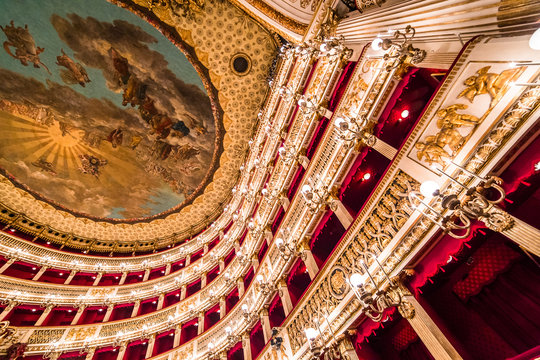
{"x":311,"y":333}
{"x":377,"y":44}
{"x":428,"y":188}
{"x":405,"y":113}
{"x":356,"y":280}
{"x":534,"y":41}
{"x":366,"y":176}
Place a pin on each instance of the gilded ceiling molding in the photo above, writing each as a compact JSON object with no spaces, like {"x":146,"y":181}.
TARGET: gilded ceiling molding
{"x":271,"y":13}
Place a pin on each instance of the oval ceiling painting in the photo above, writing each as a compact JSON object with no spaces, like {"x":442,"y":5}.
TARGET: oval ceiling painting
{"x":100,"y":114}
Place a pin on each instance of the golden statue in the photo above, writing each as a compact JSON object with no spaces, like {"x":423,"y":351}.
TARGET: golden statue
{"x":433,"y":147}
{"x":485,"y":82}
{"x":449,"y":117}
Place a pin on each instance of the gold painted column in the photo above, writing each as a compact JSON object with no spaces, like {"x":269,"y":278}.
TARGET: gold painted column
{"x":135,"y":310}
{"x":121,"y":352}
{"x":285,"y":202}
{"x":221,"y":265}
{"x":123,"y":278}
{"x":188,"y":260}
{"x":246,"y":346}
{"x":44,"y":315}
{"x":7,"y":310}
{"x":222,"y":307}
{"x":200,"y":323}
{"x":346,"y":347}
{"x":90,"y":354}
{"x":177,"y":334}
{"x":161,"y":300}
{"x":150,"y":348}
{"x":308,"y":259}
{"x":265,"y":323}
{"x":343,"y":215}
{"x":183,"y":292}
{"x":240,"y":285}
{"x":255,"y":262}
{"x":525,"y":235}
{"x":285,"y":297}
{"x":203,"y":280}
{"x":70,"y":277}
{"x":426,"y":329}
{"x":78,"y":315}
{"x":97,"y":279}
{"x":39,"y":273}
{"x":168,"y":269}
{"x":108,"y":314}
{"x":380,"y":146}
{"x":6,"y":265}
{"x":146,"y":275}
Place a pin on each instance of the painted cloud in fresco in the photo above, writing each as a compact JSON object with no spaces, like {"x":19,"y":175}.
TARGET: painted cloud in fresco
{"x":132,"y":153}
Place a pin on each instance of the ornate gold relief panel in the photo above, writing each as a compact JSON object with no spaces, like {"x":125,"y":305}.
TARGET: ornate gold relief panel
{"x":461,"y":110}
{"x":374,"y":235}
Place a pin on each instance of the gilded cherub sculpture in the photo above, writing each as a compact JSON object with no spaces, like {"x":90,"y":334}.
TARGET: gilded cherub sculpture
{"x":485,"y":82}
{"x":433,"y":146}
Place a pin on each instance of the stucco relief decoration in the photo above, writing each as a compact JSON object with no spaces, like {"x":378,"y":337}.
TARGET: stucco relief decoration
{"x":479,"y":89}
{"x":338,"y":282}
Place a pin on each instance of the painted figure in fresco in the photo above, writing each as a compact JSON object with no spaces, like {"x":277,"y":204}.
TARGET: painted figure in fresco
{"x":44,"y":165}
{"x":186,"y":152}
{"x":26,"y":50}
{"x":91,"y":164}
{"x":161,"y":125}
{"x":115,"y":137}
{"x":485,"y":82}
{"x":121,"y":66}
{"x":76,"y":72}
{"x":134,"y":93}
{"x":161,"y":150}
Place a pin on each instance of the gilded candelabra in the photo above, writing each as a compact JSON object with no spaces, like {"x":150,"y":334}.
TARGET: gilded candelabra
{"x":479,"y":203}
{"x":374,"y":304}
{"x":400,"y":47}
{"x":351,"y":131}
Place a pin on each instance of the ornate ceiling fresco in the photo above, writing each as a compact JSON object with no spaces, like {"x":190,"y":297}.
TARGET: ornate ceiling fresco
{"x":108,"y":101}
{"x":107,"y":122}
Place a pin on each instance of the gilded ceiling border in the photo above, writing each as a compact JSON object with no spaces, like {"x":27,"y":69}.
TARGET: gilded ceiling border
{"x":288,"y":23}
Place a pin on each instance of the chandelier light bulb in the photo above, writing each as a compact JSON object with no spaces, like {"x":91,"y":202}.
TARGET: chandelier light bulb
{"x":306,"y":189}
{"x":341,"y":124}
{"x":356,"y":280}
{"x":405,"y":114}
{"x":428,"y":188}
{"x":311,"y":334}
{"x":534,"y":41}
{"x":366,"y":176}
{"x":377,"y":44}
